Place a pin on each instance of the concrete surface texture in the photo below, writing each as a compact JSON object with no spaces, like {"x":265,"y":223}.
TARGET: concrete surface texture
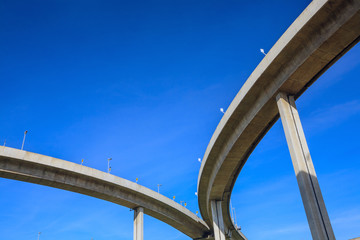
{"x":138,"y":223}
{"x":218,"y":222}
{"x":313,"y":201}
{"x":35,"y":168}
{"x":323,"y":33}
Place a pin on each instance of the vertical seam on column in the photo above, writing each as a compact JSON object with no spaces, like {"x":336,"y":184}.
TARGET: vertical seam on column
{"x":307,"y":167}
{"x":216,"y":220}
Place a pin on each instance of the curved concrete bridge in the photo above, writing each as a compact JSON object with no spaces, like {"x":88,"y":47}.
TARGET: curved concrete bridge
{"x":40,"y":169}
{"x":321,"y":35}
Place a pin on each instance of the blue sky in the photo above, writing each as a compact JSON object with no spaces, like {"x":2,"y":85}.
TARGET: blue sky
{"x":142,"y":82}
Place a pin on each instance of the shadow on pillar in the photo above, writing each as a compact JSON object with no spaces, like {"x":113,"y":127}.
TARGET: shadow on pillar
{"x":312,"y":199}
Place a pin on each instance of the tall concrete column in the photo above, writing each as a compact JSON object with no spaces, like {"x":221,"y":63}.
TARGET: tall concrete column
{"x":313,"y":201}
{"x":139,"y":223}
{"x":218,"y":222}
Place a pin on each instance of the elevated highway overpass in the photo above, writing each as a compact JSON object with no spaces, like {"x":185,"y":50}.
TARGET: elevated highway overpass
{"x":48,"y":171}
{"x":321,"y":35}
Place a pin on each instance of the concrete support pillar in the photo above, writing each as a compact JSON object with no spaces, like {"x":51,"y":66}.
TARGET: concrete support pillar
{"x":218,"y":222}
{"x":313,"y":201}
{"x":138,"y":223}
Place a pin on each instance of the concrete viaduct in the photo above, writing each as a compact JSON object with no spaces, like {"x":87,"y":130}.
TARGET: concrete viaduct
{"x":321,"y":35}
{"x":40,"y":169}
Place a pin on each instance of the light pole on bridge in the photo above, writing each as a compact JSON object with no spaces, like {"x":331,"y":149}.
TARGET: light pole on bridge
{"x":22,"y":146}
{"x":108,"y":168}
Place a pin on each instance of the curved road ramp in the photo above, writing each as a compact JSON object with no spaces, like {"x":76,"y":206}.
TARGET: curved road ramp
{"x":320,"y":36}
{"x":40,"y":169}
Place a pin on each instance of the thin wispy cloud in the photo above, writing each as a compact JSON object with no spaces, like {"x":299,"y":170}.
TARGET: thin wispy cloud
{"x":349,"y":218}
{"x":297,"y":228}
{"x":316,"y":122}
{"x":324,"y":119}
{"x":264,"y":188}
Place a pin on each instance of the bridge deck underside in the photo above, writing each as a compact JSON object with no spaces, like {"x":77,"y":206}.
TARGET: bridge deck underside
{"x":323,"y":33}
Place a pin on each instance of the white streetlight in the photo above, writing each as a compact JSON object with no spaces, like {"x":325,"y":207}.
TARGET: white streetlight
{"x":39,"y":235}
{"x":22,"y":146}
{"x":109,"y":169}
{"x":199,"y":160}
{"x":222,"y":110}
{"x":262,"y":51}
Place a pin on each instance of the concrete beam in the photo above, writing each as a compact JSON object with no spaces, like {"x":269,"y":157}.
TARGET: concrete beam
{"x":313,"y":201}
{"x":44,"y":170}
{"x":139,"y":223}
{"x":319,"y":37}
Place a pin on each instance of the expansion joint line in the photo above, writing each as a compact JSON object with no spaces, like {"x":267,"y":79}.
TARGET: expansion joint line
{"x":307,"y":166}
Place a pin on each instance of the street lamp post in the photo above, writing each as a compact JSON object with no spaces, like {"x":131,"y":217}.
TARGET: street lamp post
{"x":109,"y":159}
{"x":262,"y":51}
{"x":22,"y":146}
